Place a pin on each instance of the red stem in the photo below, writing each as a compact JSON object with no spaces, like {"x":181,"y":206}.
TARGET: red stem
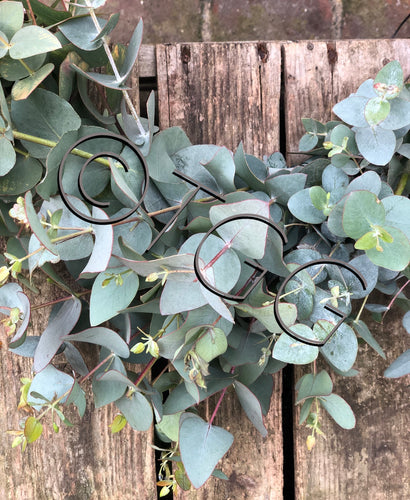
{"x":394,"y":298}
{"x":145,"y":371}
{"x":85,"y":377}
{"x":31,"y":13}
{"x":217,"y":256}
{"x":57,"y":301}
{"x":218,"y":404}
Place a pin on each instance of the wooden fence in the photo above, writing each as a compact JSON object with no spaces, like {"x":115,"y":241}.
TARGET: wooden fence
{"x":223,"y":93}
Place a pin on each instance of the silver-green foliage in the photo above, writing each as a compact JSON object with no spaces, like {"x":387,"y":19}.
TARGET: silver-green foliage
{"x":348,"y":201}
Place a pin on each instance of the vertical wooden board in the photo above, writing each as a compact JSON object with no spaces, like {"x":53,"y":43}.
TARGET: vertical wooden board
{"x":317,"y":75}
{"x":222,"y":95}
{"x":373,"y":459}
{"x":84,"y":462}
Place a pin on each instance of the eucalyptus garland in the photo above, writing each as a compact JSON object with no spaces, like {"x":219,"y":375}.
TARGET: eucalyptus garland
{"x":220,"y":266}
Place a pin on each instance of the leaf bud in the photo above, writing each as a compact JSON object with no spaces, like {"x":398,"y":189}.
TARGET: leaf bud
{"x":310,"y":442}
{"x":4,"y":275}
{"x":152,"y":277}
{"x":138,"y":348}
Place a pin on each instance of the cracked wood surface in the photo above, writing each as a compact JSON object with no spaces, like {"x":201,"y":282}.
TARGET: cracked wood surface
{"x":224,"y":93}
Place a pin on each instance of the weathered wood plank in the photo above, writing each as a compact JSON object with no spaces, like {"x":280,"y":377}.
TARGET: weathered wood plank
{"x":372,"y":460}
{"x":222,"y":94}
{"x":84,"y":462}
{"x":319,"y":74}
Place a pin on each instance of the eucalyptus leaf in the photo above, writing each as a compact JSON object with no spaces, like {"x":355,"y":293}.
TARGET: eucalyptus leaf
{"x":251,"y":406}
{"x":52,"y":384}
{"x":45,"y":115}
{"x":339,"y":410}
{"x":53,"y":336}
{"x":376,"y":144}
{"x":112,"y":291}
{"x":32,"y":40}
{"x":399,"y":367}
{"x":101,"y":336}
{"x":211,"y":444}
{"x":23,"y":88}
{"x":137,"y":410}
{"x":11,"y":17}
{"x":7,"y":156}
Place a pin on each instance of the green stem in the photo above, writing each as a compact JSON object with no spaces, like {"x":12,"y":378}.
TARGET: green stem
{"x":361,"y":309}
{"x":21,"y":152}
{"x":52,"y":144}
{"x":402,"y":184}
{"x":72,"y":235}
{"x":26,"y":66}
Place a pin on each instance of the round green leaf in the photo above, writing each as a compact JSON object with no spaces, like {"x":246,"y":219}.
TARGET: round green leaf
{"x":137,"y":410}
{"x":293,"y":351}
{"x":23,"y":88}
{"x":211,"y":344}
{"x":376,"y":144}
{"x":11,"y":17}
{"x":46,"y":115}
{"x":376,"y":110}
{"x":341,"y":349}
{"x":12,"y":69}
{"x":319,"y":197}
{"x":7,"y":156}
{"x":32,"y":40}
{"x":51,"y":384}
{"x":308,"y":142}
{"x":389,"y":80}
{"x":25,"y":174}
{"x":201,"y":446}
{"x":394,"y":255}
{"x":301,"y":206}
{"x":110,"y":297}
{"x":362,"y":210}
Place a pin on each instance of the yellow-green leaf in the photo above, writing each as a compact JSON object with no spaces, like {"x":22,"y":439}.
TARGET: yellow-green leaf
{"x":32,"y":429}
{"x":23,"y":88}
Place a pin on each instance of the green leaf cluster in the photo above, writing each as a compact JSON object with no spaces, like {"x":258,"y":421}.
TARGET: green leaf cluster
{"x":141,"y":302}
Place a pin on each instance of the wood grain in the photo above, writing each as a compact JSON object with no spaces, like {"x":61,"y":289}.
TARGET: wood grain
{"x":372,"y":461}
{"x":318,"y":74}
{"x":84,"y":462}
{"x":223,"y":93}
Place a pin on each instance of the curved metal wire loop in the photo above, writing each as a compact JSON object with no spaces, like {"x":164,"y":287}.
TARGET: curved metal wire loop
{"x":257,"y":267}
{"x":336,"y":311}
{"x":86,"y":196}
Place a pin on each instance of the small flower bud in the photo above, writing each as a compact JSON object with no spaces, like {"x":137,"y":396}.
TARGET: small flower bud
{"x":310,"y":442}
{"x":152,"y":277}
{"x":4,"y":275}
{"x":138,"y":348}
